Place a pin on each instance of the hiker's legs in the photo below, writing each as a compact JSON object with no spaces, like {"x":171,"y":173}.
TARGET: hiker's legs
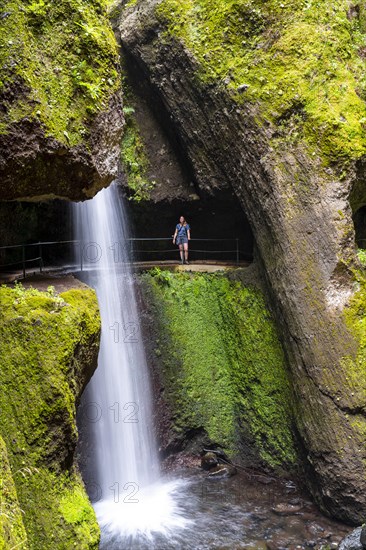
{"x":181,"y":252}
{"x":186,"y":251}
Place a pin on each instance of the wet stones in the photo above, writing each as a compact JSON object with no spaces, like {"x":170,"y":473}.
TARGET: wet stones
{"x":222,"y":470}
{"x":287,"y":509}
{"x":217,"y":464}
{"x":355,"y":540}
{"x":363,"y":536}
{"x":209,"y":461}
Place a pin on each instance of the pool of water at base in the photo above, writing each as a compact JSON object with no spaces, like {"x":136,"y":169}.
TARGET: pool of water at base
{"x":251,"y":512}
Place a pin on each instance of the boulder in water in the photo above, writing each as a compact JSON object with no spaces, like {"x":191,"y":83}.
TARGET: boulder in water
{"x":352,"y":541}
{"x":363,"y":536}
{"x":208,"y":461}
{"x":217,"y":464}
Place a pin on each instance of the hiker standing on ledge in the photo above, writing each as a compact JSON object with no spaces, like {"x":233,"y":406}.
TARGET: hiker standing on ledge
{"x":181,"y":236}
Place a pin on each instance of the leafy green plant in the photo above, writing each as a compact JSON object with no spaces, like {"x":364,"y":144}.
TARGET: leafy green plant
{"x":66,"y":58}
{"x":38,"y":10}
{"x":362,"y":256}
{"x":164,"y":277}
{"x":134,"y":158}
{"x":50,"y":299}
{"x":128,"y":110}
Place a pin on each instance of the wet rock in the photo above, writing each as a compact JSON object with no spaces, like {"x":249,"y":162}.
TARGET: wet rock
{"x":243,"y":88}
{"x":264,"y":480}
{"x":363,"y":536}
{"x":217,"y":464}
{"x":278,"y":543}
{"x":209,"y":461}
{"x":286,"y":509}
{"x":336,"y":540}
{"x":34,"y":164}
{"x":352,"y":541}
{"x":221,"y":456}
{"x":314,"y":529}
{"x":222,"y":470}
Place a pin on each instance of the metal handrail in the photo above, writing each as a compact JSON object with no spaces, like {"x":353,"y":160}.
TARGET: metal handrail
{"x":36,"y":244}
{"x":130,"y":240}
{"x":21,"y":261}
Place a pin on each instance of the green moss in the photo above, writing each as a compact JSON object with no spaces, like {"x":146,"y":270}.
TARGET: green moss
{"x":355,"y":318}
{"x":362,"y":256}
{"x":40,"y":377}
{"x":57,"y":511}
{"x":223,"y":365}
{"x":75,"y":507}
{"x":12,"y":532}
{"x":133,"y":154}
{"x":58,"y":64}
{"x":134,"y":159}
{"x":354,"y":363}
{"x":300,"y":61}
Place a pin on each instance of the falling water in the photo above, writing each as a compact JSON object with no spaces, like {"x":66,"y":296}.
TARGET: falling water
{"x":130,"y":500}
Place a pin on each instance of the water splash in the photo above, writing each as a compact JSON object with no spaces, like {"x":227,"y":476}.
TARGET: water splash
{"x":131,"y":500}
{"x":156,"y":513}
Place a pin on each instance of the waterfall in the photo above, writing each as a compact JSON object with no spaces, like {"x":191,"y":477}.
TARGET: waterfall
{"x":129,"y":498}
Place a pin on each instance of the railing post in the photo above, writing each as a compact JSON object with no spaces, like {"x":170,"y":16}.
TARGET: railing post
{"x":23,"y":260}
{"x":81,"y":255}
{"x":40,"y":258}
{"x":237,"y":251}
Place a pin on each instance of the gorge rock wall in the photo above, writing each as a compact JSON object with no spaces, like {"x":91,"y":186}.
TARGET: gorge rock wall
{"x":48,"y":351}
{"x":219,"y":371}
{"x":61,"y":113}
{"x":157,"y":180}
{"x":292,"y":173}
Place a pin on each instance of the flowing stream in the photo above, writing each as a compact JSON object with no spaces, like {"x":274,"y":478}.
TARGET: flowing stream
{"x":137,"y":509}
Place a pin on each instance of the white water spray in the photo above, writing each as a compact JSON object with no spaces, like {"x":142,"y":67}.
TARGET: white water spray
{"x":131,"y":500}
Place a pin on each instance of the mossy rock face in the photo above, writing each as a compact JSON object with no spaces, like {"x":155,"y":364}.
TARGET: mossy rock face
{"x":48,"y":348}
{"x":61,"y":114}
{"x":221,"y":366}
{"x":12,"y":532}
{"x":292,"y":60}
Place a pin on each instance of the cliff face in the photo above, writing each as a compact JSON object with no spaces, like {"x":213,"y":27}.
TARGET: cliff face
{"x":48,"y":350}
{"x":218,"y":367}
{"x":61,"y":115}
{"x":250,"y":101}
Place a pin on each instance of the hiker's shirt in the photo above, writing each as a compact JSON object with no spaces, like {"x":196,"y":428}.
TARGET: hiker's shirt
{"x":182,"y":233}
